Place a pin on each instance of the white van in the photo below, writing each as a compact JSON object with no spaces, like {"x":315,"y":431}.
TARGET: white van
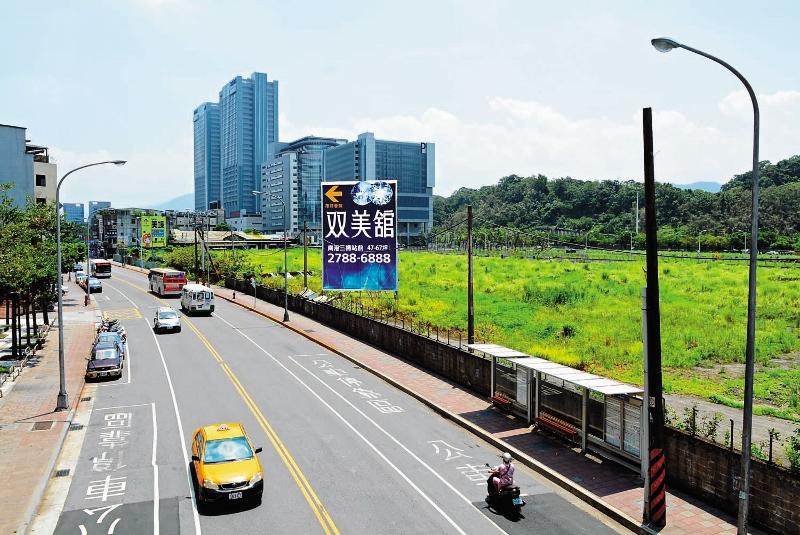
{"x":197,"y":298}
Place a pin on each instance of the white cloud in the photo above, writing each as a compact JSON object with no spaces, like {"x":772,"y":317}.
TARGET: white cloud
{"x":151,"y":176}
{"x":528,"y":137}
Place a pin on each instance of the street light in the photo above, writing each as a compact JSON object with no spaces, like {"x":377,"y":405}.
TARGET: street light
{"x":285,"y":262}
{"x":663,"y":44}
{"x":61,"y":401}
{"x":698,"y":239}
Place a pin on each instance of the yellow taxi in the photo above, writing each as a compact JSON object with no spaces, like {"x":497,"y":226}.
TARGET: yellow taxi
{"x":225,"y":464}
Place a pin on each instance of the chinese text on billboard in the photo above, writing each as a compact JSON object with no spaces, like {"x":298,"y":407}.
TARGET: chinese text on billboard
{"x":359,"y":225}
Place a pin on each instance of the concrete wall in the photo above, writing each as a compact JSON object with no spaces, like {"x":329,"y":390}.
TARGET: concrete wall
{"x":459,"y":366}
{"x":710,"y":472}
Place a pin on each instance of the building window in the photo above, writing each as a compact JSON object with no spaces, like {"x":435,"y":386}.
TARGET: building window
{"x":41,"y":181}
{"x":41,"y":200}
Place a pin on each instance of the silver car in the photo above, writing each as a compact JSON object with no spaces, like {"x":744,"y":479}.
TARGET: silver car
{"x":166,"y":319}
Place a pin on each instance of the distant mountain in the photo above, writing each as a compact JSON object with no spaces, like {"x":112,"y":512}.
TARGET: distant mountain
{"x":178,"y":203}
{"x":712,"y":187}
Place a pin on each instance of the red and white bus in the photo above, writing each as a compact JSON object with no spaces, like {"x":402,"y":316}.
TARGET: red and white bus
{"x":100,"y":268}
{"x":165,"y":281}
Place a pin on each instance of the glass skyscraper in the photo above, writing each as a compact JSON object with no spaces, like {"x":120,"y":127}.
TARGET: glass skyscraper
{"x":248,"y":109}
{"x":295,"y":175}
{"x":411,"y":164}
{"x":73,"y":211}
{"x":206,"y":156}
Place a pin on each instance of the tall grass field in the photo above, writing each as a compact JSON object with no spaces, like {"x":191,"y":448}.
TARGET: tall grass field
{"x":588,"y":315}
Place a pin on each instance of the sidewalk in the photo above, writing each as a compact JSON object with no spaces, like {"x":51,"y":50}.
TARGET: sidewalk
{"x":31,"y":434}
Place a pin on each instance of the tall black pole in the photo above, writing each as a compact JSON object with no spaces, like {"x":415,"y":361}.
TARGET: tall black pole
{"x":655,"y":512}
{"x":194,"y":222}
{"x":305,"y":254}
{"x":14,"y":321}
{"x":470,"y":303}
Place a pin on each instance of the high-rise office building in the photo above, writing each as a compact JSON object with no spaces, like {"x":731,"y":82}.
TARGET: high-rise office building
{"x":248,"y":109}
{"x":294,"y":174}
{"x":411,"y":164}
{"x":206,"y":156}
{"x":73,"y":212}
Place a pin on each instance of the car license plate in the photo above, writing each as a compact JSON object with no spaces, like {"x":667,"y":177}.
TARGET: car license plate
{"x":235,"y":495}
{"x":517,"y":501}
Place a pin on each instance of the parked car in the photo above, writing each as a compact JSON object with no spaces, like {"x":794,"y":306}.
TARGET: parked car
{"x":112,"y":337}
{"x":226,"y":465}
{"x":166,"y":319}
{"x":77,"y":267}
{"x":106,"y":361}
{"x":80,"y":278}
{"x":95,"y":285}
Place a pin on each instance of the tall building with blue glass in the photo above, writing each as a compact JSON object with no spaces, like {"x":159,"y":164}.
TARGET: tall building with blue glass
{"x":411,"y":164}
{"x":206,"y":156}
{"x":73,"y":212}
{"x":248,"y":109}
{"x":294,"y":174}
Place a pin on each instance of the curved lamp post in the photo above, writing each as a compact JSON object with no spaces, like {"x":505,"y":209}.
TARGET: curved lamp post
{"x":61,"y":401}
{"x":664,"y":44}
{"x":285,"y":262}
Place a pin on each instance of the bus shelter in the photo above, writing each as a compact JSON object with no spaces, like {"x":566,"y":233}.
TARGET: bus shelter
{"x":602,"y":415}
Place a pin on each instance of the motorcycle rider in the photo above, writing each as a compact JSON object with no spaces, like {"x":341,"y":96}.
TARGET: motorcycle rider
{"x":503,"y":475}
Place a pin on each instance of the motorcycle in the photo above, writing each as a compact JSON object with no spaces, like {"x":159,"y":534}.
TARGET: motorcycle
{"x":508,"y":501}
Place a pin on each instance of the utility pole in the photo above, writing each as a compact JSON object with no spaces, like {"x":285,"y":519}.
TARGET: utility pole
{"x":305,"y":255}
{"x":470,"y":303}
{"x":194,"y":223}
{"x":655,"y":505}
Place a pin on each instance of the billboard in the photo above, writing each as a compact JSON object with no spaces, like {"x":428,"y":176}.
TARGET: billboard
{"x":359,"y":235}
{"x":154,"y":231}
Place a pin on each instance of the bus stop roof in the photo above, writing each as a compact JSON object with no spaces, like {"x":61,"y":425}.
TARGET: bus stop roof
{"x":577,"y":377}
{"x":495,"y":350}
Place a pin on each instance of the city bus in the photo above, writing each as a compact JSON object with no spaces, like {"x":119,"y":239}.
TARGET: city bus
{"x":100,"y":268}
{"x":197,"y":298}
{"x":165,"y":281}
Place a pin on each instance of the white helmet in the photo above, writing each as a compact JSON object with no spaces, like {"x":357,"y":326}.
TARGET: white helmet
{"x":506,"y":457}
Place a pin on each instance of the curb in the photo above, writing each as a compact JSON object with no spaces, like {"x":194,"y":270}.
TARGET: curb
{"x":586,"y":496}
{"x":41,"y":487}
{"x":590,"y":498}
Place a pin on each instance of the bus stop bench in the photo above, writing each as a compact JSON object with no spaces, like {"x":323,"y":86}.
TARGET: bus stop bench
{"x":502,"y":401}
{"x":556,"y":424}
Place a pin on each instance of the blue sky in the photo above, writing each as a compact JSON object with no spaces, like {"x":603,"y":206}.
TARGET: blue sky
{"x":500,"y":87}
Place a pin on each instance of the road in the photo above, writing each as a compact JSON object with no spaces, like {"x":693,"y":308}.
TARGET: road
{"x":343,"y":452}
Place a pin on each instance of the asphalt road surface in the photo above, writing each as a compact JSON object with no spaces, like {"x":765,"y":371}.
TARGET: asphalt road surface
{"x":344,"y":452}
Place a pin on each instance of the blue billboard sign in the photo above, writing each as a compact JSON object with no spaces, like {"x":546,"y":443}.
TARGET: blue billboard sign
{"x":359,"y":235}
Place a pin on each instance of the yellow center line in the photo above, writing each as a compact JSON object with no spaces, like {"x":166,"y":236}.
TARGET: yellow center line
{"x":316,"y":505}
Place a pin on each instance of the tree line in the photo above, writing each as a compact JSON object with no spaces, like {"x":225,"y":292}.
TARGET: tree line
{"x":28,"y":263}
{"x":604,"y":212}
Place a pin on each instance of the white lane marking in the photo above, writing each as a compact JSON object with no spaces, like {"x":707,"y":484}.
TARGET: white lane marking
{"x":362,"y":437}
{"x":83,"y":529}
{"x":156,"y":494}
{"x":127,"y":347}
{"x":195,"y":515}
{"x":113,"y":525}
{"x":122,"y":407}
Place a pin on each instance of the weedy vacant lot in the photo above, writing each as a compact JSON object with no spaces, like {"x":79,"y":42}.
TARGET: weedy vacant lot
{"x":588,"y":315}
